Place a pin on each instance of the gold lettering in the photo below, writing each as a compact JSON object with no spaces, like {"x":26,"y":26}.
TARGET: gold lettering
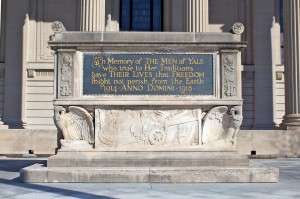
{"x":169,"y":61}
{"x":120,"y":61}
{"x":132,"y":88}
{"x":119,"y":74}
{"x":160,"y":88}
{"x":194,"y":81}
{"x":137,"y":81}
{"x":187,"y":74}
{"x":151,"y":60}
{"x":196,"y":61}
{"x":158,"y":81}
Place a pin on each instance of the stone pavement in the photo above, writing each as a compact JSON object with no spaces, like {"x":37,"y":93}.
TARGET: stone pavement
{"x":10,"y":187}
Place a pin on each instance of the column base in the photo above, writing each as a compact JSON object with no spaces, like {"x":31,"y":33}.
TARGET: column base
{"x":291,"y":122}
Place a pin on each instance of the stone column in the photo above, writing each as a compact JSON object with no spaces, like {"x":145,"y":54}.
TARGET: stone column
{"x":92,"y":15}
{"x":15,"y":69}
{"x":292,"y":63}
{"x":196,"y":12}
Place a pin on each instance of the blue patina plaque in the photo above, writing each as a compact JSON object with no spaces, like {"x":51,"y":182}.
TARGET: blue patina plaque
{"x":148,"y":74}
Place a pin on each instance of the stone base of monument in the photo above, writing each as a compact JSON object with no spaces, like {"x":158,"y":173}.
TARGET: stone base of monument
{"x":143,"y":167}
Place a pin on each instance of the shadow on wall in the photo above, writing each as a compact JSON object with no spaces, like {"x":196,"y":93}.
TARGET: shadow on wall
{"x":223,"y":14}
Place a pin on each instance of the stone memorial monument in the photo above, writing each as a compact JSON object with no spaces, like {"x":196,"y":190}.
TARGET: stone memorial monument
{"x":148,"y":107}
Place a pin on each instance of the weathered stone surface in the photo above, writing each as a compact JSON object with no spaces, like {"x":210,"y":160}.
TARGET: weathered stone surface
{"x":147,"y":128}
{"x":34,"y":173}
{"x":76,"y":127}
{"x":253,"y":173}
{"x":136,"y":37}
{"x":269,"y":143}
{"x":17,"y":142}
{"x":187,"y":158}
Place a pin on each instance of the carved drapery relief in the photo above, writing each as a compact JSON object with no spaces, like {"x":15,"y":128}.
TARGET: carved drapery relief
{"x":66,"y":75}
{"x":121,"y":128}
{"x":235,"y":121}
{"x":221,"y":124}
{"x":229,"y":75}
{"x":76,"y":127}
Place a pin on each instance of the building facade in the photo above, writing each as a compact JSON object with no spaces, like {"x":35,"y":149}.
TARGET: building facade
{"x":27,"y":66}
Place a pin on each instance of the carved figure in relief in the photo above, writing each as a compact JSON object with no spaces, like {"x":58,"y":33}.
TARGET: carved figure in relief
{"x":148,"y":127}
{"x":219,"y":124}
{"x":76,"y":127}
{"x":236,"y":118}
{"x":229,"y":76}
{"x":66,"y":76}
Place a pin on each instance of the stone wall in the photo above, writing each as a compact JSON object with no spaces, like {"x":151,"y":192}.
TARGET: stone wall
{"x":24,"y":142}
{"x":39,"y":99}
{"x":268,"y":144}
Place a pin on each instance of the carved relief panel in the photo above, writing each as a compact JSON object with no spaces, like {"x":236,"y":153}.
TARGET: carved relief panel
{"x":229,"y":77}
{"x":65,"y":75}
{"x":146,"y":128}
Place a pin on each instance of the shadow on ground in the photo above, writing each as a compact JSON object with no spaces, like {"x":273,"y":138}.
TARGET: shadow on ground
{"x":17,"y":164}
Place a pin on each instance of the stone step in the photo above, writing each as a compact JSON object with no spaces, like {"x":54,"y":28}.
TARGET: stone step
{"x":255,"y":172}
{"x":147,"y":159}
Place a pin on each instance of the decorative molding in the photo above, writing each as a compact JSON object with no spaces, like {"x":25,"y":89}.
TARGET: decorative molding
{"x":279,"y":75}
{"x":40,"y":66}
{"x":238,"y":28}
{"x":31,"y":73}
{"x":57,"y":27}
{"x":40,"y":73}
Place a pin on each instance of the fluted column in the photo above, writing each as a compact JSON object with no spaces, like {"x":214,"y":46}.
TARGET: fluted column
{"x":292,"y":63}
{"x":196,"y":12}
{"x":92,"y":15}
